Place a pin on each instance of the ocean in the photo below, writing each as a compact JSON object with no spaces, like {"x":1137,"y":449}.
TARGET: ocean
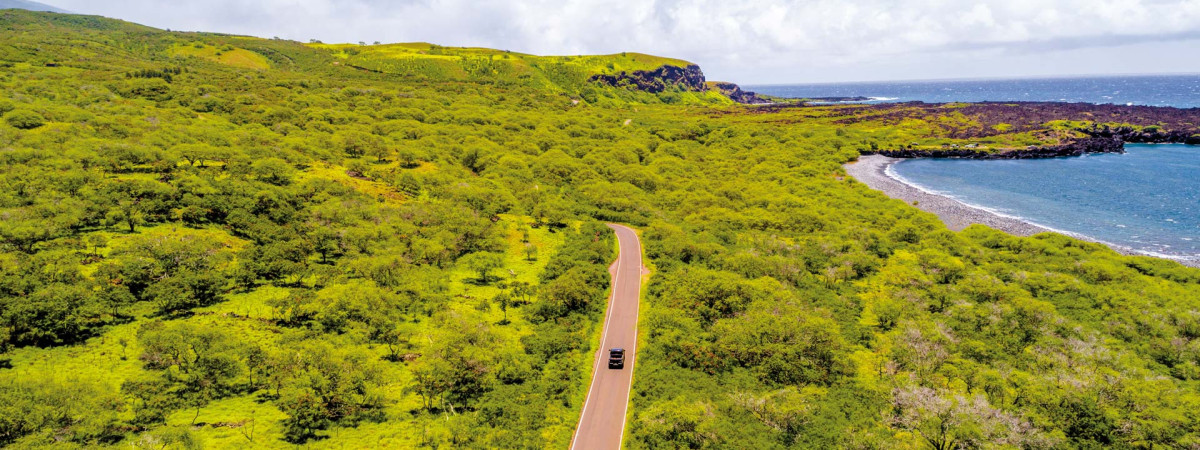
{"x":1182,"y":91}
{"x":1147,"y":200}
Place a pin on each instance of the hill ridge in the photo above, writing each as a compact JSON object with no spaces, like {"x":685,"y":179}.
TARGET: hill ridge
{"x":30,"y":6}
{"x":629,"y":76}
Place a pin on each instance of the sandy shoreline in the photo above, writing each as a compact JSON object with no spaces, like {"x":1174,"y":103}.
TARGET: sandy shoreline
{"x":872,"y":171}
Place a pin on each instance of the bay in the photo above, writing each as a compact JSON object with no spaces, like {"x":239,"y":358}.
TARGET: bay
{"x":1147,"y":199}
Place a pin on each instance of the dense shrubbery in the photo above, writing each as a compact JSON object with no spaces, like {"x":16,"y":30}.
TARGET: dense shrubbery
{"x":24,"y":120}
{"x":319,"y":254}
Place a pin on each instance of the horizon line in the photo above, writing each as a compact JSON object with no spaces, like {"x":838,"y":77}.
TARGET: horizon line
{"x":997,"y":78}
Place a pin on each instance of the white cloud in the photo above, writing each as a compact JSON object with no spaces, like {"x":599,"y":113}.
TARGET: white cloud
{"x":746,"y":41}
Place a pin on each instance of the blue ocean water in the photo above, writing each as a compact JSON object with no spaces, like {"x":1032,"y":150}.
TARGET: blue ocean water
{"x":1147,"y":199}
{"x":1181,"y":91}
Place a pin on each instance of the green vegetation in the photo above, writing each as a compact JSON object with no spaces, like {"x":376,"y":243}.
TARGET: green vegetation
{"x":226,"y":54}
{"x":201,"y":253}
{"x":552,"y":74}
{"x":24,"y":120}
{"x":495,"y":62}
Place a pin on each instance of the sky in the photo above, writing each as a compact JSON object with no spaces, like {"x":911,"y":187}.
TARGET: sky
{"x":747,"y":41}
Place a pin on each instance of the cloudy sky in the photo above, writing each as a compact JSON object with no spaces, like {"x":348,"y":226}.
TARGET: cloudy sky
{"x":747,"y":41}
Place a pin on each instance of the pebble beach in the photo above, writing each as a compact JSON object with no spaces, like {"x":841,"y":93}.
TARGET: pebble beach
{"x":872,"y":171}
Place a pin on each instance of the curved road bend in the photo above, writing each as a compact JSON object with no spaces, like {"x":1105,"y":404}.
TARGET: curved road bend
{"x":602,"y":422}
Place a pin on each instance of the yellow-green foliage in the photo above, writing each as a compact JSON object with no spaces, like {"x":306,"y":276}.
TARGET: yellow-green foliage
{"x":327,"y":256}
{"x":559,"y":73}
{"x":592,"y":64}
{"x":227,"y":55}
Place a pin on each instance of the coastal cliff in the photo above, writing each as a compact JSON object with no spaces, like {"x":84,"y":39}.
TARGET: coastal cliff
{"x":657,"y":80}
{"x":687,"y":78}
{"x":735,"y":93}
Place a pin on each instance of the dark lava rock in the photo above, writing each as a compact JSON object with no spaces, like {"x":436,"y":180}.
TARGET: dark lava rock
{"x":1077,"y":148}
{"x":689,"y":78}
{"x":735,"y":93}
{"x":1147,"y":135}
{"x":657,"y":80}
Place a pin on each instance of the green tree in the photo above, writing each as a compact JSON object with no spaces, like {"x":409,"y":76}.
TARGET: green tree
{"x":187,"y":290}
{"x":274,"y":171}
{"x":572,"y":292}
{"x":55,"y":314}
{"x":128,"y":213}
{"x":482,"y":263}
{"x":306,"y":415}
{"x":357,"y":143}
{"x":504,"y":300}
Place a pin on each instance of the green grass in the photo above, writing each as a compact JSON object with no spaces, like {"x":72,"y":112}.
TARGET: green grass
{"x":236,"y":422}
{"x":471,"y":294}
{"x":253,"y":305}
{"x":108,"y":359}
{"x":235,"y":57}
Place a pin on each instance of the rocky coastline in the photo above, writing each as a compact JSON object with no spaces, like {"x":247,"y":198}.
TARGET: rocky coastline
{"x":735,"y":93}
{"x":1147,"y":135}
{"x":1075,"y":148}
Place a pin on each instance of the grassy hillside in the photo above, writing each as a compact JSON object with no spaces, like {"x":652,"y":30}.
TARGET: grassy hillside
{"x":140,"y":47}
{"x":560,"y":74}
{"x":590,"y":64}
{"x":222,"y":241}
{"x":224,"y":54}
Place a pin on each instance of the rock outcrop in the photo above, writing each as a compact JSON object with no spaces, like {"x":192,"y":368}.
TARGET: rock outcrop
{"x":735,"y":93}
{"x":1146,"y":135}
{"x":689,"y":78}
{"x":1076,"y":148}
{"x":658,"y":80}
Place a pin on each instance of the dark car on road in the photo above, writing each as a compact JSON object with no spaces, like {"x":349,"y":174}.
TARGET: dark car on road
{"x":616,"y":358}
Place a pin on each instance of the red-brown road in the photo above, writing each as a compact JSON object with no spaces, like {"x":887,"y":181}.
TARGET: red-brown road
{"x":602,"y":423}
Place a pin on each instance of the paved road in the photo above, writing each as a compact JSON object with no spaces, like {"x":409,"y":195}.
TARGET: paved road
{"x":602,"y":423}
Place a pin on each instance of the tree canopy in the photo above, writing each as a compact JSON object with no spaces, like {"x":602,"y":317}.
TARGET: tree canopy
{"x":241,"y":242}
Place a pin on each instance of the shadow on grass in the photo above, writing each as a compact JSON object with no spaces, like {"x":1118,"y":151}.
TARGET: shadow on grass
{"x":482,"y":281}
{"x":307,"y":438}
